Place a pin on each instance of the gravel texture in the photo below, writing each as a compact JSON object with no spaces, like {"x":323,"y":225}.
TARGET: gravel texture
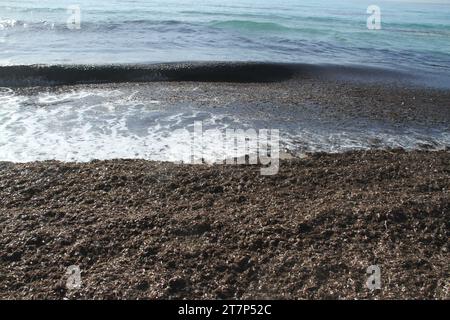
{"x":140,"y":229}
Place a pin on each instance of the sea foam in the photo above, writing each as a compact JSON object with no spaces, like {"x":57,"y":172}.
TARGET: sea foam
{"x":82,"y":125}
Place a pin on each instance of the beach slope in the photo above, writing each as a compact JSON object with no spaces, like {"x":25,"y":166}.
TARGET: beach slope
{"x":142,"y":229}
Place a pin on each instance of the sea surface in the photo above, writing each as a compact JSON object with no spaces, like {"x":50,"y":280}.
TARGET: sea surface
{"x":81,"y":125}
{"x":413,"y":36}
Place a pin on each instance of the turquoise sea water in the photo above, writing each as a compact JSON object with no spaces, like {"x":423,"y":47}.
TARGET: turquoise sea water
{"x":413,"y":35}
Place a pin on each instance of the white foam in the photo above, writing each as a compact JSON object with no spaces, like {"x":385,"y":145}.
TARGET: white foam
{"x":83,"y":125}
{"x":7,"y":23}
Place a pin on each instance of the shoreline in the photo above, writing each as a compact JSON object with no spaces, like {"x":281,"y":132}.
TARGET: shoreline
{"x":141,"y":229}
{"x":74,"y":123}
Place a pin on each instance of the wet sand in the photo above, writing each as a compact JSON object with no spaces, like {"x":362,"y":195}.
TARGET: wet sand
{"x":148,"y":230}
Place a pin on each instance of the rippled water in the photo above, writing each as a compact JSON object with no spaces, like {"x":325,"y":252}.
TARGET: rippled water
{"x":414,"y":35}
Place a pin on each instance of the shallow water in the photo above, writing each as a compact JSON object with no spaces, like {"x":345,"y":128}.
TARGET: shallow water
{"x":82,"y":125}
